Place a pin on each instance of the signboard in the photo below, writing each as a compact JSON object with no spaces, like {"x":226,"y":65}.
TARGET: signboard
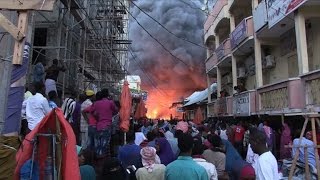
{"x":279,"y":9}
{"x":220,"y":51}
{"x":180,"y":109}
{"x":241,"y":104}
{"x":144,"y":96}
{"x":211,"y":62}
{"x":239,"y":34}
{"x":260,"y":17}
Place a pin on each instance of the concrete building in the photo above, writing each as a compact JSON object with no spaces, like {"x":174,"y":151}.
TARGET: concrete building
{"x":264,"y":56}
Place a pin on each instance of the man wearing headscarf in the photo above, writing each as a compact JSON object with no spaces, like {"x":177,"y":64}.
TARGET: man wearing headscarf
{"x":152,"y":169}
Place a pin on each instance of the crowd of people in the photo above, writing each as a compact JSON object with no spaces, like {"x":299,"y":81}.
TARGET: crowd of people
{"x":158,"y":149}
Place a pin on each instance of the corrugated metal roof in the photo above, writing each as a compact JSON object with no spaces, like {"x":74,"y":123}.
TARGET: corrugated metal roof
{"x":199,"y":96}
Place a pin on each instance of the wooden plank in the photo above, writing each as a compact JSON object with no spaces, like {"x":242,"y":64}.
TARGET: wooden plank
{"x":314,"y":115}
{"x":296,"y":156}
{"x":314,"y":138}
{"x":42,"y":5}
{"x":19,"y":45}
{"x":11,"y":28}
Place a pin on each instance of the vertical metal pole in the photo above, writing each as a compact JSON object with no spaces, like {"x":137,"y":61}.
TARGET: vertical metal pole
{"x":66,"y":49}
{"x":84,"y":56}
{"x":314,"y":138}
{"x":54,"y":156}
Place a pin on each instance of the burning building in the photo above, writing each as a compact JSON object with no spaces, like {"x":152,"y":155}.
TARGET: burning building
{"x":167,"y":79}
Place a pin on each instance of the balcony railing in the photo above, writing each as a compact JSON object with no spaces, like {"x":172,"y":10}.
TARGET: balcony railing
{"x":223,"y":49}
{"x":214,"y":14}
{"x":241,"y":32}
{"x":211,"y":62}
{"x":286,"y":96}
{"x":211,"y":110}
{"x":244,"y":104}
{"x":311,"y":83}
{"x":223,"y":106}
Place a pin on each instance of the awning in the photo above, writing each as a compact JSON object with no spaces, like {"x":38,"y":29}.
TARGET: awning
{"x":199,"y":96}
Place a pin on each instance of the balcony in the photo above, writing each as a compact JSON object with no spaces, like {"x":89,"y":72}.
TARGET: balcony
{"x":282,"y":97}
{"x":223,"y":50}
{"x":311,"y":85}
{"x":211,"y":62}
{"x":260,"y":17}
{"x":242,"y":37}
{"x":244,"y":104}
{"x":223,"y":106}
{"x":216,"y":13}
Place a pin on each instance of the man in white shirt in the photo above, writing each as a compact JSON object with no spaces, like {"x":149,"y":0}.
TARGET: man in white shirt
{"x":266,"y":166}
{"x":197,"y":152}
{"x":37,"y":107}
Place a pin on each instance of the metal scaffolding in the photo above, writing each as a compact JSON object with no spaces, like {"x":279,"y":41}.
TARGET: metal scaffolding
{"x":90,"y":37}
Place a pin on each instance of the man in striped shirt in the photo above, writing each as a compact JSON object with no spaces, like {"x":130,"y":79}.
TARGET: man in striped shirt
{"x":68,"y":107}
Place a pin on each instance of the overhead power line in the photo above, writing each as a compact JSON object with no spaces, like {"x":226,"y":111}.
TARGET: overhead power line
{"x":184,"y":39}
{"x":191,"y":6}
{"x":146,"y":74}
{"x":166,"y":49}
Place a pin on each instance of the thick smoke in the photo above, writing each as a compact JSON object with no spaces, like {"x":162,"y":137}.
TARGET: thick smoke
{"x":171,"y":77}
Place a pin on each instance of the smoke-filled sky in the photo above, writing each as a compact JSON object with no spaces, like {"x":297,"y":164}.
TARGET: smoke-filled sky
{"x":172,"y":80}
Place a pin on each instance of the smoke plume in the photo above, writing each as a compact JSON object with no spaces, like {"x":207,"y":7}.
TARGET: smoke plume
{"x":171,"y":79}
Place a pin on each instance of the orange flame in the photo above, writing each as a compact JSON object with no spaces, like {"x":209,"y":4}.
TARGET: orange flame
{"x":158,"y":105}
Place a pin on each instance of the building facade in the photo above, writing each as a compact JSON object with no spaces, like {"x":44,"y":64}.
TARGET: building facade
{"x":264,"y":56}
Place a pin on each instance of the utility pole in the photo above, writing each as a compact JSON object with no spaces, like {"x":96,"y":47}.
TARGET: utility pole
{"x":19,"y":33}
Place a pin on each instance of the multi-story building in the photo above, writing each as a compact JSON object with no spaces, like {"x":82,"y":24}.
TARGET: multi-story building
{"x":90,"y":37}
{"x":264,"y":56}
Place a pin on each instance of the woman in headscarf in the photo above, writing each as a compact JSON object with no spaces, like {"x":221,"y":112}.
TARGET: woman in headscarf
{"x":152,"y":169}
{"x":164,"y":151}
{"x":183,"y":126}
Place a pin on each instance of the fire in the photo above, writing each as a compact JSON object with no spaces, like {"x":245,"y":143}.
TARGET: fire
{"x":159,"y":103}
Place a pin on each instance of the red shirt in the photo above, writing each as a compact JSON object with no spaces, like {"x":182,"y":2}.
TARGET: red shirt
{"x":238,"y":133}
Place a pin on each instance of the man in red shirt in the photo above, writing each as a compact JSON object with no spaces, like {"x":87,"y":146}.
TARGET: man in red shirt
{"x":238,"y":137}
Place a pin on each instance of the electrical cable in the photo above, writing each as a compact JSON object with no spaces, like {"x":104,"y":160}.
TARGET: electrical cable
{"x":146,"y":74}
{"x":197,"y":8}
{"x":166,"y":28}
{"x":168,"y":51}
